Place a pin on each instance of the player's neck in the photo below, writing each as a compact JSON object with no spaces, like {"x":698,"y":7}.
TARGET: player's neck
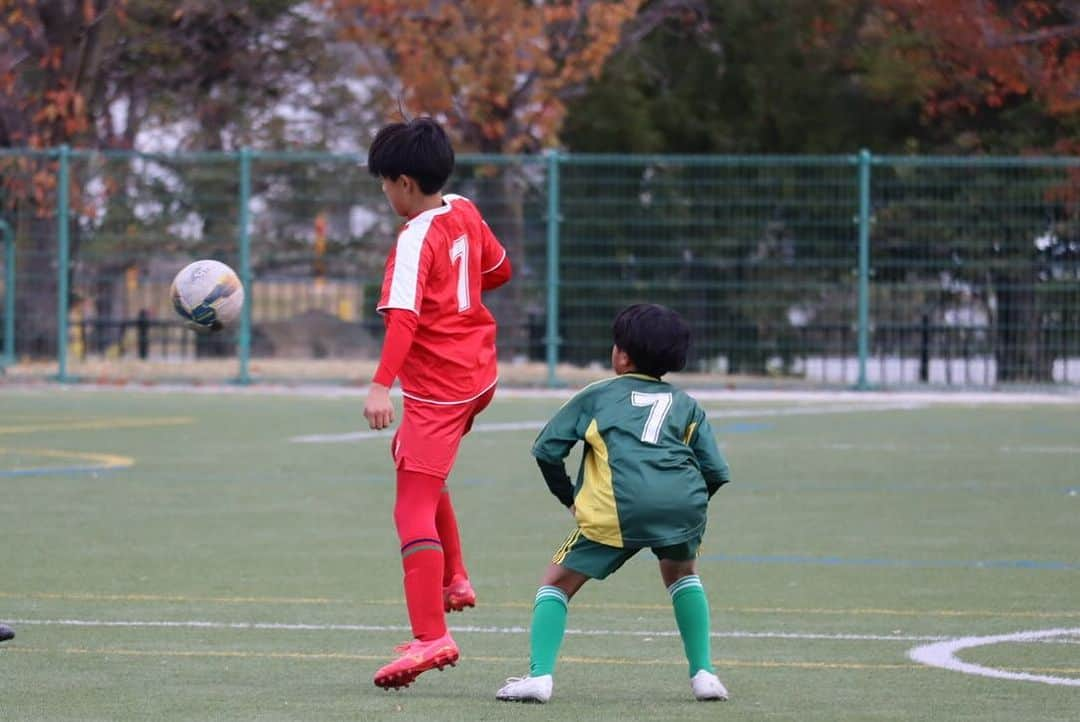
{"x":425,"y":203}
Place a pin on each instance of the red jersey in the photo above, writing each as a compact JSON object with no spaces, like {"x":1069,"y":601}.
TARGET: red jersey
{"x":436,"y":270}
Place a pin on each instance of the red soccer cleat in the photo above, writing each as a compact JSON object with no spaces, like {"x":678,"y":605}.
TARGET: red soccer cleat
{"x":416,"y":658}
{"x":458,"y":595}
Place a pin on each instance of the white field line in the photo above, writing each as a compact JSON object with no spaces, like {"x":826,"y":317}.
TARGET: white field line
{"x":474,"y":629}
{"x":467,"y":629}
{"x":1040,"y":449}
{"x":743,"y":413}
{"x":943,"y":655}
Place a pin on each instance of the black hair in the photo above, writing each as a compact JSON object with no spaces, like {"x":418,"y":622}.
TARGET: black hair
{"x":418,"y":148}
{"x":655,"y":338}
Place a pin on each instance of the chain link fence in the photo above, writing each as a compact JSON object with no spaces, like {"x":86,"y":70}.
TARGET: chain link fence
{"x":838,"y":271}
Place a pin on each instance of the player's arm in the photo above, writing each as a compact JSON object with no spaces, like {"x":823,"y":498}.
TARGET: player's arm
{"x":495,"y":268}
{"x":558,"y":481}
{"x":553,"y":445}
{"x":400,"y":330}
{"x":702,"y":441}
{"x":497,"y":276}
{"x":404,"y":280}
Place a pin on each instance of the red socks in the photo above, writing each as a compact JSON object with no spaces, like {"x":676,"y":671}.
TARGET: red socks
{"x":446,"y":524}
{"x":430,"y":549}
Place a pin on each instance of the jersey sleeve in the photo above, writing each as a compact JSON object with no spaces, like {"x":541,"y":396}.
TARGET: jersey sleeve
{"x":558,"y":481}
{"x":407,"y":270}
{"x":495,"y":267}
{"x":400,"y":330}
{"x":559,"y":435}
{"x":702,"y":441}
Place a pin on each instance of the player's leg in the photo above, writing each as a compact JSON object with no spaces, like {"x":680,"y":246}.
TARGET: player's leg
{"x":458,"y":592}
{"x":422,"y":562}
{"x":421,"y":552}
{"x":576,"y":561}
{"x":546,"y":633}
{"x":691,"y":608}
{"x":557,"y":587}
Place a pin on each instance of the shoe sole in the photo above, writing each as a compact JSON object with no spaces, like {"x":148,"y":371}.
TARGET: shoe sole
{"x":522,"y":700}
{"x":458,"y":604}
{"x":402,"y":679}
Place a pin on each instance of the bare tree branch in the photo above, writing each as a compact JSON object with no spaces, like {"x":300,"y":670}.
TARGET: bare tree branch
{"x":1038,"y":36}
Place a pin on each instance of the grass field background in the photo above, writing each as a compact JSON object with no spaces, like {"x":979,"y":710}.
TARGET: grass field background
{"x":182,"y":556}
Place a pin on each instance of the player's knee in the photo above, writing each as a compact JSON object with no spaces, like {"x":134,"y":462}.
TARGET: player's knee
{"x":672,"y":570}
{"x":568,"y":580}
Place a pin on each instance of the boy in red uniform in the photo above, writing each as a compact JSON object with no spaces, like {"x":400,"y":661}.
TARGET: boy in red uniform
{"x":440,"y":344}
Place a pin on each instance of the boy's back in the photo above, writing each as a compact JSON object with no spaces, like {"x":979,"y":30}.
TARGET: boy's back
{"x":435,"y":270}
{"x":650,"y":461}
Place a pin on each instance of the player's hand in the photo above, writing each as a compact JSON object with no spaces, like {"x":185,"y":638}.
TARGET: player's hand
{"x":378,"y":410}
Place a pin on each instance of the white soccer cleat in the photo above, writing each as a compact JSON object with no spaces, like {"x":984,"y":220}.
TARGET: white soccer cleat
{"x":527,"y":689}
{"x":707,"y":687}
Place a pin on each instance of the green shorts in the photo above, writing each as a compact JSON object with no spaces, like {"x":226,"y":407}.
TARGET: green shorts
{"x":596,"y":560}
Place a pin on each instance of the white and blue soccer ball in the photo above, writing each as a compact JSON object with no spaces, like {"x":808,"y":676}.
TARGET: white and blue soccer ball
{"x":208,"y":295}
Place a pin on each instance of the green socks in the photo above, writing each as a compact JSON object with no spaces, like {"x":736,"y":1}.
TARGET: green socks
{"x":548,"y":627}
{"x":692,"y":617}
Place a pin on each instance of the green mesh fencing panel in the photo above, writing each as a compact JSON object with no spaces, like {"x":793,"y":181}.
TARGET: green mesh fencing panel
{"x":134,"y":221}
{"x":976,"y":277}
{"x":28,"y":204}
{"x":757,"y":254}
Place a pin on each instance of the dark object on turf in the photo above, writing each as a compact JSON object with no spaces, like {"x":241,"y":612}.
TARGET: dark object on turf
{"x":6,"y":633}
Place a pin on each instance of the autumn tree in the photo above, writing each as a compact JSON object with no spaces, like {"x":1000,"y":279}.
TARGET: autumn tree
{"x":983,"y":67}
{"x":51,"y":61}
{"x":96,"y":74}
{"x":499,"y":74}
{"x":1000,"y":76}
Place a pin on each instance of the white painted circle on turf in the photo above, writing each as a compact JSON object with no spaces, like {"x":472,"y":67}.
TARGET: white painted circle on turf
{"x":943,"y":655}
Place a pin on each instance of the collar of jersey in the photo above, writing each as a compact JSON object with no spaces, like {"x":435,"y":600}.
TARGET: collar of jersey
{"x":637,"y":375}
{"x":431,"y":212}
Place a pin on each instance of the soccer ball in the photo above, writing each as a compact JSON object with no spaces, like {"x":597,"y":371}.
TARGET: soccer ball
{"x":208,"y":295}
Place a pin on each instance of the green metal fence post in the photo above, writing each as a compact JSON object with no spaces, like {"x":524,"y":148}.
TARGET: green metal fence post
{"x":244,"y":238}
{"x":8,"y":357}
{"x":864,"y":267}
{"x":554,"y":217}
{"x":63,"y":252}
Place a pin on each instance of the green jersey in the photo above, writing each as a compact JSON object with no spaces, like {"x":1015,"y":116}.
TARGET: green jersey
{"x":649,"y":466}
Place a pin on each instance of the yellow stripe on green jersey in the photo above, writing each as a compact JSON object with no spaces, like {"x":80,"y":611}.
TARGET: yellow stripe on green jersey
{"x":596,"y":512}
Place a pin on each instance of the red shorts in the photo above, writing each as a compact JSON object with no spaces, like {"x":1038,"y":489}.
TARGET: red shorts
{"x":428,"y":437}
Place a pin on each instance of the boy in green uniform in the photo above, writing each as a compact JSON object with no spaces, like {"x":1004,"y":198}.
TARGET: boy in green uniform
{"x":650,"y":466}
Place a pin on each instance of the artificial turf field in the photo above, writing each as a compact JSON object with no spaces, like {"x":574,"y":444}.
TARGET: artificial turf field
{"x":182,"y":556}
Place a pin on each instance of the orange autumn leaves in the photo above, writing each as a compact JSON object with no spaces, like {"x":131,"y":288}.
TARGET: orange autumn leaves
{"x":499,"y":72}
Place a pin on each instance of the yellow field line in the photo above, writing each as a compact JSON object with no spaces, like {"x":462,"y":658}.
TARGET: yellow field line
{"x":866,"y":611}
{"x":105,"y":461}
{"x":95,"y":424}
{"x":872,"y":611}
{"x":862,"y":611}
{"x":88,"y":597}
